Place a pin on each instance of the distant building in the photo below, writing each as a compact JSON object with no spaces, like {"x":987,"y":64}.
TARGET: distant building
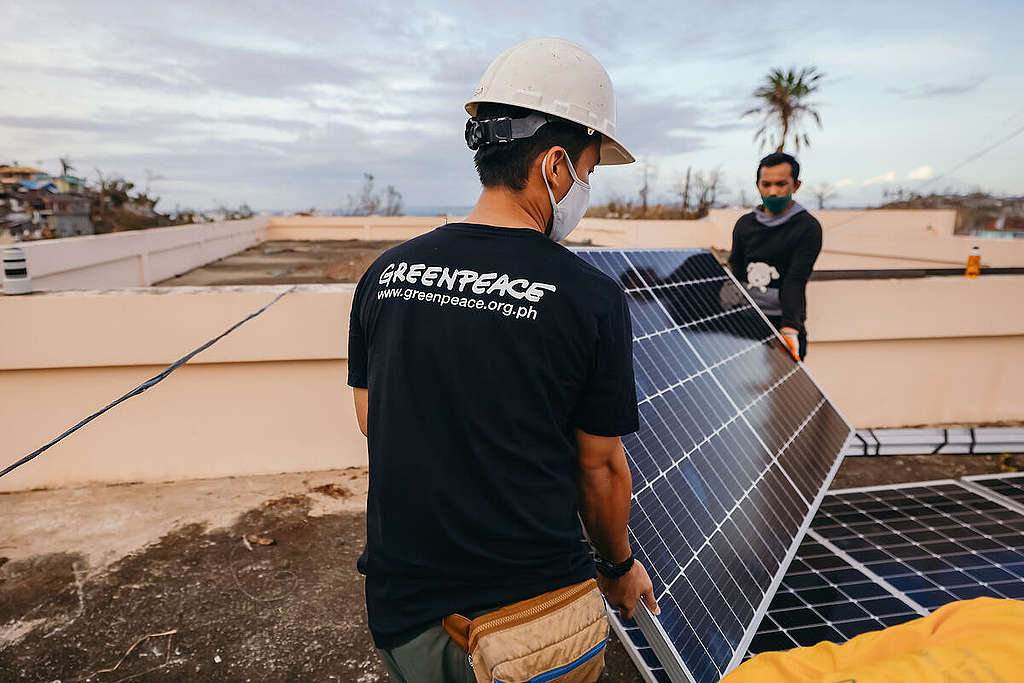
{"x":12,"y":175}
{"x":35,"y":179}
{"x":69,"y":184}
{"x":44,"y":183}
{"x":35,"y":209}
{"x":67,"y":215}
{"x":1004,"y":224}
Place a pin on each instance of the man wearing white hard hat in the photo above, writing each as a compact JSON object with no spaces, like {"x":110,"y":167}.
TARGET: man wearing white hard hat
{"x":492,"y":371}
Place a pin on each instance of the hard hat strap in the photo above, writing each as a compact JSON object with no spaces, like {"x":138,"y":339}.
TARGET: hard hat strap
{"x":480,"y":132}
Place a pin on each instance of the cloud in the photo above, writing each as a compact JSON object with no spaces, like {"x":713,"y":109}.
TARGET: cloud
{"x":288,"y":109}
{"x":178,"y":65}
{"x":154,"y":123}
{"x":845,"y":182}
{"x":920,"y":173}
{"x":929,"y":90}
{"x":884,"y":178}
{"x":666,"y":126}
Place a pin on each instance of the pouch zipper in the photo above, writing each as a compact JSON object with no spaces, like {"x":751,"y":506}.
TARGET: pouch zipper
{"x":565,"y":668}
{"x":527,"y":614}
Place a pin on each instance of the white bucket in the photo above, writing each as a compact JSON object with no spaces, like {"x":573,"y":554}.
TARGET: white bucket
{"x":16,"y":279}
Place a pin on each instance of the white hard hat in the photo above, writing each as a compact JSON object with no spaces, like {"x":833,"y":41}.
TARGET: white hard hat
{"x":557,"y":77}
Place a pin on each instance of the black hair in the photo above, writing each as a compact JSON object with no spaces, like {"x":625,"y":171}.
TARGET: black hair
{"x":777,"y":158}
{"x":507,"y":164}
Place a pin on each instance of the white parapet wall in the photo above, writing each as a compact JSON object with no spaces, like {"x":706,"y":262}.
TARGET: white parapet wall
{"x":927,"y":351}
{"x":272,"y":396}
{"x":136,"y":258}
{"x":368,"y":228}
{"x":854,"y":240}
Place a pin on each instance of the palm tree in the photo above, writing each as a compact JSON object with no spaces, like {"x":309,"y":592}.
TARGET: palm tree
{"x":782,"y":98}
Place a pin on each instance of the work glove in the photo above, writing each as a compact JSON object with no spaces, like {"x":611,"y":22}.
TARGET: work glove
{"x":792,"y":339}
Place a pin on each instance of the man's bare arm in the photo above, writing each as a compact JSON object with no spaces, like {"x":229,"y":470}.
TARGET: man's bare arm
{"x":360,"y":397}
{"x":604,"y":494}
{"x":604,"y":485}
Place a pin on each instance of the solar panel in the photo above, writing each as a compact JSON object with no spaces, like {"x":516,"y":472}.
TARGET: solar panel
{"x":877,"y":556}
{"x":935,"y":541}
{"x":1008,"y":486}
{"x":824,"y":597}
{"x":735,"y":446}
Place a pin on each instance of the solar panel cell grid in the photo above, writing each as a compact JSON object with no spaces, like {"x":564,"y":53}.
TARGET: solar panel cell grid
{"x":735,"y":442}
{"x":1010,"y":485}
{"x":913,"y":548}
{"x":823,"y":597}
{"x":937,"y":542}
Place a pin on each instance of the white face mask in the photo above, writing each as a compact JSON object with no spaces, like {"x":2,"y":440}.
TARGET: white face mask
{"x":566,"y":214}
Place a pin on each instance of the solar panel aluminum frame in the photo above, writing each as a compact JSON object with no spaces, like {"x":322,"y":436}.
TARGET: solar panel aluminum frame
{"x":890,"y":487}
{"x":649,"y":625}
{"x":660,"y":644}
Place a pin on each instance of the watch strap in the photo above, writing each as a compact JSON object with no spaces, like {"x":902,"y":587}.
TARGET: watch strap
{"x":614,"y":570}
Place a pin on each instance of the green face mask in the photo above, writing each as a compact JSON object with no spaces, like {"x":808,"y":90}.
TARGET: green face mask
{"x":776,"y":205}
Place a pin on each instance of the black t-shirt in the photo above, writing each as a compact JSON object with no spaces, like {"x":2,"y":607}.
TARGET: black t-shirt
{"x":779,"y":258}
{"x":483,"y":349}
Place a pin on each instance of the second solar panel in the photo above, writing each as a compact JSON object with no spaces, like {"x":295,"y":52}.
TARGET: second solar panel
{"x":734,"y":446}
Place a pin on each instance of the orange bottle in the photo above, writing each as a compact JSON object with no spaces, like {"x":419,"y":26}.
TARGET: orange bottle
{"x":973,"y":264}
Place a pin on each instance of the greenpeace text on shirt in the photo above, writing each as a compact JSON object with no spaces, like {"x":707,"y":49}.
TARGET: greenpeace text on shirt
{"x":456,"y":279}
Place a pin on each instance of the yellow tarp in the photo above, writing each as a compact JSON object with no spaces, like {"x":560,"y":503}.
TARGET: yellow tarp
{"x":973,"y":641}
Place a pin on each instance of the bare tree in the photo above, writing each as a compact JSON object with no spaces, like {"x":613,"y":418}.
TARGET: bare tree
{"x":65,"y":165}
{"x":648,"y":172}
{"x":367,"y":202}
{"x":392,"y":201}
{"x":684,"y":189}
{"x":232,"y":214}
{"x":150,"y":177}
{"x":743,"y":200}
{"x":708,"y":186}
{"x":113,"y":190}
{"x":824,"y":192}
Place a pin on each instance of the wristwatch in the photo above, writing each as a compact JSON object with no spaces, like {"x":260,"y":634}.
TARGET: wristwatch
{"x":614,"y":570}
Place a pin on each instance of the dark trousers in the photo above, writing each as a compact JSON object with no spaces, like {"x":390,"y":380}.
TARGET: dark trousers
{"x":776,"y":320}
{"x":430,"y":657}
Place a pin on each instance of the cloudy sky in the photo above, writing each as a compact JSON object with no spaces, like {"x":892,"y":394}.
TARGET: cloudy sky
{"x":286,"y":105}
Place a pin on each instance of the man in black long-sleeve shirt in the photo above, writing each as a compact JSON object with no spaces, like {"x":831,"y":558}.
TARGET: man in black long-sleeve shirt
{"x":774,"y":248}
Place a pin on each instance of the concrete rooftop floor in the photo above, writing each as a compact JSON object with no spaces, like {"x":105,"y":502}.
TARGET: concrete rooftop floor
{"x":85,"y":573}
{"x":287,"y":262}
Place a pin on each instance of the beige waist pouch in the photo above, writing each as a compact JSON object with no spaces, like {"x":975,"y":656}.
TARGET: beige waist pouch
{"x":557,"y":637}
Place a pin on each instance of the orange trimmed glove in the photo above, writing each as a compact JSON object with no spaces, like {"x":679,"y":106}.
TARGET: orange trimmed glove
{"x":792,"y":339}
